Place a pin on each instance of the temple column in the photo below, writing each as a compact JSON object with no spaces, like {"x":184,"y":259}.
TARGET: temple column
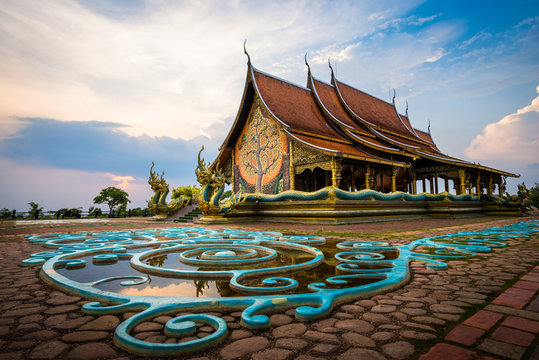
{"x":462,"y":182}
{"x":478,"y":189}
{"x":394,"y":179}
{"x":291,"y":169}
{"x":500,"y":189}
{"x":335,"y":172}
{"x":436,"y":184}
{"x":431,"y":183}
{"x":489,"y":189}
{"x":424,"y":186}
{"x":414,"y":186}
{"x":446,"y":184}
{"x":353,"y":182}
{"x":367,"y":177}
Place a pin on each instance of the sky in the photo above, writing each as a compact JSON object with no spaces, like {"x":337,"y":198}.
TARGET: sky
{"x":93,"y":91}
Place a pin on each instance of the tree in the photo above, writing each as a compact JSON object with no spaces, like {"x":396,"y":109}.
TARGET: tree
{"x":112,"y":197}
{"x":186,"y":191}
{"x":534,"y":195}
{"x":94,"y":211}
{"x":34,"y":208}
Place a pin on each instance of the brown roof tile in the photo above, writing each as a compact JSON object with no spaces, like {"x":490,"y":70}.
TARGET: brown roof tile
{"x":293,"y":105}
{"x":373,"y":110}
{"x":329,"y":98}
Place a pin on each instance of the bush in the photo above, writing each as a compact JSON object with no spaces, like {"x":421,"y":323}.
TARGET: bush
{"x":187,"y":191}
{"x":65,"y":212}
{"x":138,"y":211}
{"x":5,"y":213}
{"x":534,"y":195}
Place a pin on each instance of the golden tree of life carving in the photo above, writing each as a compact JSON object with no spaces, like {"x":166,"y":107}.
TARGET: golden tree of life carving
{"x":261,"y":149}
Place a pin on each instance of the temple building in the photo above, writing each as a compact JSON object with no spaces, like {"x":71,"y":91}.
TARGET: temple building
{"x":289,"y":137}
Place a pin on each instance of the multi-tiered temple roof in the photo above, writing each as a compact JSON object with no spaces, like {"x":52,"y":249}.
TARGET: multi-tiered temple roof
{"x":343,"y":122}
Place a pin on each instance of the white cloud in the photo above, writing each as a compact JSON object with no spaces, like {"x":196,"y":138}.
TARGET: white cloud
{"x":515,"y":138}
{"x":169,"y":69}
{"x":335,"y":52}
{"x":480,"y":36}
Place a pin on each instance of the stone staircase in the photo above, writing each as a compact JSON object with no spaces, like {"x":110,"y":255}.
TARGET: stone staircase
{"x":190,"y":216}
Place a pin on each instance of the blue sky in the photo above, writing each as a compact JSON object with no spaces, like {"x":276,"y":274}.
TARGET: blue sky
{"x":94,"y":91}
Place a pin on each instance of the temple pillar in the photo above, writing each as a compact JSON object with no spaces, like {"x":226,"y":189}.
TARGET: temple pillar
{"x":500,"y":188}
{"x":414,"y":185}
{"x":394,"y":179}
{"x":291,"y":170}
{"x":431,"y":184}
{"x":424,"y":185}
{"x":335,"y":172}
{"x":436,"y":184}
{"x":367,"y":177}
{"x":446,"y":184}
{"x":353,"y":182}
{"x":489,"y":189}
{"x":462,"y":182}
{"x":478,"y":189}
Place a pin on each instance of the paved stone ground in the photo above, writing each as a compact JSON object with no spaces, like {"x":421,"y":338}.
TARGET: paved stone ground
{"x":485,"y":307}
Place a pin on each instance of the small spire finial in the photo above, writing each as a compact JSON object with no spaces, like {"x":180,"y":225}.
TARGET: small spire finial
{"x":406,"y":108}
{"x":428,"y":128}
{"x":246,"y":53}
{"x":331,"y":68}
{"x":306,"y":63}
{"x":394,"y":94}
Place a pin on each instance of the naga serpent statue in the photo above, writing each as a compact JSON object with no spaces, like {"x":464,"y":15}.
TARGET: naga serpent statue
{"x":213,"y":185}
{"x":157,"y":203}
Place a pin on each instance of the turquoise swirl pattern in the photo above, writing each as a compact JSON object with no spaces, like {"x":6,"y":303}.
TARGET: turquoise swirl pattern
{"x":263,"y":272}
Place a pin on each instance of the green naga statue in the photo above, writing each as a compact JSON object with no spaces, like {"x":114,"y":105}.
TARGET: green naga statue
{"x":213,"y":185}
{"x":157,"y":203}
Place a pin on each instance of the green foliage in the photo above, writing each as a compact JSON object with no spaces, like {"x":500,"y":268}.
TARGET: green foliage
{"x":122,"y":210}
{"x":187,"y":191}
{"x":112,"y":197}
{"x":34,"y":207}
{"x":69,"y":213}
{"x":93,"y":211}
{"x":139,"y":211}
{"x":534,"y":195}
{"x":5,"y":213}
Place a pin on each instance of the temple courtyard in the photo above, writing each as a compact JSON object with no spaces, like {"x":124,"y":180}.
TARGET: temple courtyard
{"x":482,"y":307}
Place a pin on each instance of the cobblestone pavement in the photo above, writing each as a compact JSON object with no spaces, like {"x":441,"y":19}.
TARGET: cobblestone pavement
{"x":483,"y":307}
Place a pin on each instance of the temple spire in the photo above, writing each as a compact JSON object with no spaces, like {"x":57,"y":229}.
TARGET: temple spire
{"x":406,"y":108}
{"x":428,"y":128}
{"x":331,"y":68}
{"x":394,"y":95}
{"x":246,"y":53}
{"x":306,"y":63}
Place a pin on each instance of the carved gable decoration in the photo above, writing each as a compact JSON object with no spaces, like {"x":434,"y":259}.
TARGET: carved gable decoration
{"x":260,"y":148}
{"x":306,"y":158}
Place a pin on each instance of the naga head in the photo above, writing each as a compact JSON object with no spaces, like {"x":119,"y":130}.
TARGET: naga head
{"x":155,"y":182}
{"x":202,"y":171}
